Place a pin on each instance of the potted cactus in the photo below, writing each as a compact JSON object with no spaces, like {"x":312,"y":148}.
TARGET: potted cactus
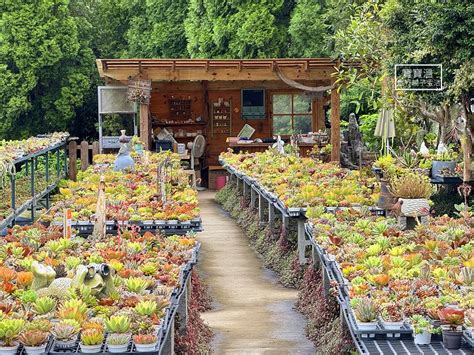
{"x":9,"y":331}
{"x":452,"y":321}
{"x":145,"y":342}
{"x":118,"y":340}
{"x":34,"y":341}
{"x":366,"y":313}
{"x":65,"y":333}
{"x":91,"y":340}
{"x":422,"y":329}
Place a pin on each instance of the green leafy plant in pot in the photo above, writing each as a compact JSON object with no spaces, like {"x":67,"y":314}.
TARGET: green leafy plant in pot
{"x":444,"y":161}
{"x":452,"y":321}
{"x":413,"y":191}
{"x":422,"y":329}
{"x":366,"y":313}
{"x":9,"y":331}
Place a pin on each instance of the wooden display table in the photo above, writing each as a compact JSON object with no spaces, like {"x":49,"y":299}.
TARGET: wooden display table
{"x":305,"y":148}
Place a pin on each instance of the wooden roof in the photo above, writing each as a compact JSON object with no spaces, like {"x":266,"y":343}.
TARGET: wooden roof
{"x":216,"y":69}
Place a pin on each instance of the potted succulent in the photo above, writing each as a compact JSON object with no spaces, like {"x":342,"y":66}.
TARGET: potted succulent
{"x":91,"y":340}
{"x":118,"y":343}
{"x":145,"y":342}
{"x":392,"y":316}
{"x":9,"y":331}
{"x":444,"y":160}
{"x":366,"y":313}
{"x":118,"y":327}
{"x":452,"y":321}
{"x":65,"y":333}
{"x":34,"y":341}
{"x":413,"y":191}
{"x":422,"y":329}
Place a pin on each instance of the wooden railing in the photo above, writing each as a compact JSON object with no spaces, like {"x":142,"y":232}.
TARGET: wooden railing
{"x":85,"y":152}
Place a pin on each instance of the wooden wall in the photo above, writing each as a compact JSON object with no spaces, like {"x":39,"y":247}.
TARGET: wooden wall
{"x":226,"y":90}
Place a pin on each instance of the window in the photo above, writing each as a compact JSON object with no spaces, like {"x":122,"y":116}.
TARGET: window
{"x":253,"y":103}
{"x":291,"y":114}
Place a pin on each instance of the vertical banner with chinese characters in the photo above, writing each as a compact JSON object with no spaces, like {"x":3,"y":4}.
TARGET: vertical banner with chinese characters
{"x":67,"y":230}
{"x":419,"y":77}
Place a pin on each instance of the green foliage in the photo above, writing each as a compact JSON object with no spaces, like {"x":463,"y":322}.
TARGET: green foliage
{"x":244,"y":29}
{"x":308,"y":31}
{"x":157,"y":30}
{"x":46,"y":68}
{"x":367,"y":127}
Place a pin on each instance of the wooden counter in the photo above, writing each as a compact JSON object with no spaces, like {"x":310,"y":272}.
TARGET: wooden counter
{"x":305,"y":148}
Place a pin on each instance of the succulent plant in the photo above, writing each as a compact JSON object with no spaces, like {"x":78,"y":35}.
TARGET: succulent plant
{"x":65,"y":331}
{"x":9,"y":330}
{"x":118,"y":339}
{"x":149,"y":268}
{"x":421,"y":324}
{"x":33,"y":337}
{"x":136,"y":284}
{"x":451,"y":317}
{"x":146,"y":308}
{"x":73,"y":313}
{"x":118,"y":324}
{"x":145,"y":339}
{"x":365,"y":310}
{"x":44,"y":305}
{"x":467,"y":276}
{"x":42,"y":325}
{"x":92,"y":337}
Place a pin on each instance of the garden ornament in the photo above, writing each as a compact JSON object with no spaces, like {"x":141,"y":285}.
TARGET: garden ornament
{"x":97,"y":277}
{"x":124,"y":160}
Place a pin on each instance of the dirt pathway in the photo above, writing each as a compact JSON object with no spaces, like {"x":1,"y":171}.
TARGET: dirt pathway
{"x":252,"y":313}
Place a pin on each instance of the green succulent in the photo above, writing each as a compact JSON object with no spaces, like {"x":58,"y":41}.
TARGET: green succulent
{"x":118,"y":324}
{"x":72,"y":262}
{"x":146,"y":308}
{"x":136,"y":284}
{"x":44,"y":305}
{"x":10,"y":329}
{"x":149,"y":268}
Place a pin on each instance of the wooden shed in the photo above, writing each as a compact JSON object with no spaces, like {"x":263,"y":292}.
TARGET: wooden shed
{"x":216,"y":98}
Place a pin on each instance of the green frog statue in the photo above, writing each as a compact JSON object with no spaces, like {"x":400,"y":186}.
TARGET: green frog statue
{"x":96,"y":276}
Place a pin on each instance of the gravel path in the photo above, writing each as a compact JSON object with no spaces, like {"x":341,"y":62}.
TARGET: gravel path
{"x":252,"y":313}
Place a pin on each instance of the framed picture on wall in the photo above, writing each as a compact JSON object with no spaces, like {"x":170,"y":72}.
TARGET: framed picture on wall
{"x":253,"y":104}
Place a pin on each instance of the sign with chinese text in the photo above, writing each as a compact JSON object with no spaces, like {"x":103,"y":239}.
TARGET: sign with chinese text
{"x":419,"y":77}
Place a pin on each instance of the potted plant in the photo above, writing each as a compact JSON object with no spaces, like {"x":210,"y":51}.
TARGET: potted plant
{"x":119,"y":338}
{"x":452,"y":321}
{"x":65,"y":333}
{"x":91,"y":340}
{"x":34,"y":341}
{"x":9,"y":331}
{"x":145,"y":342}
{"x":137,"y":144}
{"x":413,"y":191}
{"x":365,"y":312}
{"x":118,"y":343}
{"x":392,"y":316}
{"x":422,"y":329}
{"x":443,"y":161}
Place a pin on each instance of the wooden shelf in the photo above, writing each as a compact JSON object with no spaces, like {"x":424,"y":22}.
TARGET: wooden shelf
{"x":162,"y":124}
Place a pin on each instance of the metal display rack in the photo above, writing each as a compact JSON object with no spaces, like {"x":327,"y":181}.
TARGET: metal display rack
{"x":168,"y":227}
{"x":269,"y":204}
{"x":380,"y":341}
{"x":178,"y":307}
{"x":30,"y":162}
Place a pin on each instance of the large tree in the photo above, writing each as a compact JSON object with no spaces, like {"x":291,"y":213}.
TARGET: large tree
{"x":46,"y":66}
{"x":157,"y":30}
{"x":238,"y":29}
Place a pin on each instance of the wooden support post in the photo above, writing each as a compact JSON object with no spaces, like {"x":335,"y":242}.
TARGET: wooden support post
{"x":145,"y":127}
{"x":318,"y":114}
{"x":315,"y":256}
{"x":95,"y":150}
{"x":301,"y":242}
{"x":335,"y":126}
{"x":72,"y":160}
{"x":246,"y":188}
{"x":286,"y":223}
{"x":84,"y":155}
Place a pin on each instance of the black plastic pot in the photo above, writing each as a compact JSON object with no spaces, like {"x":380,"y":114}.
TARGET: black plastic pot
{"x":452,"y":339}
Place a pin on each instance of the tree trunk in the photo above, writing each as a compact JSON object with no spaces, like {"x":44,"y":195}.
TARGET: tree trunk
{"x":467,"y":138}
